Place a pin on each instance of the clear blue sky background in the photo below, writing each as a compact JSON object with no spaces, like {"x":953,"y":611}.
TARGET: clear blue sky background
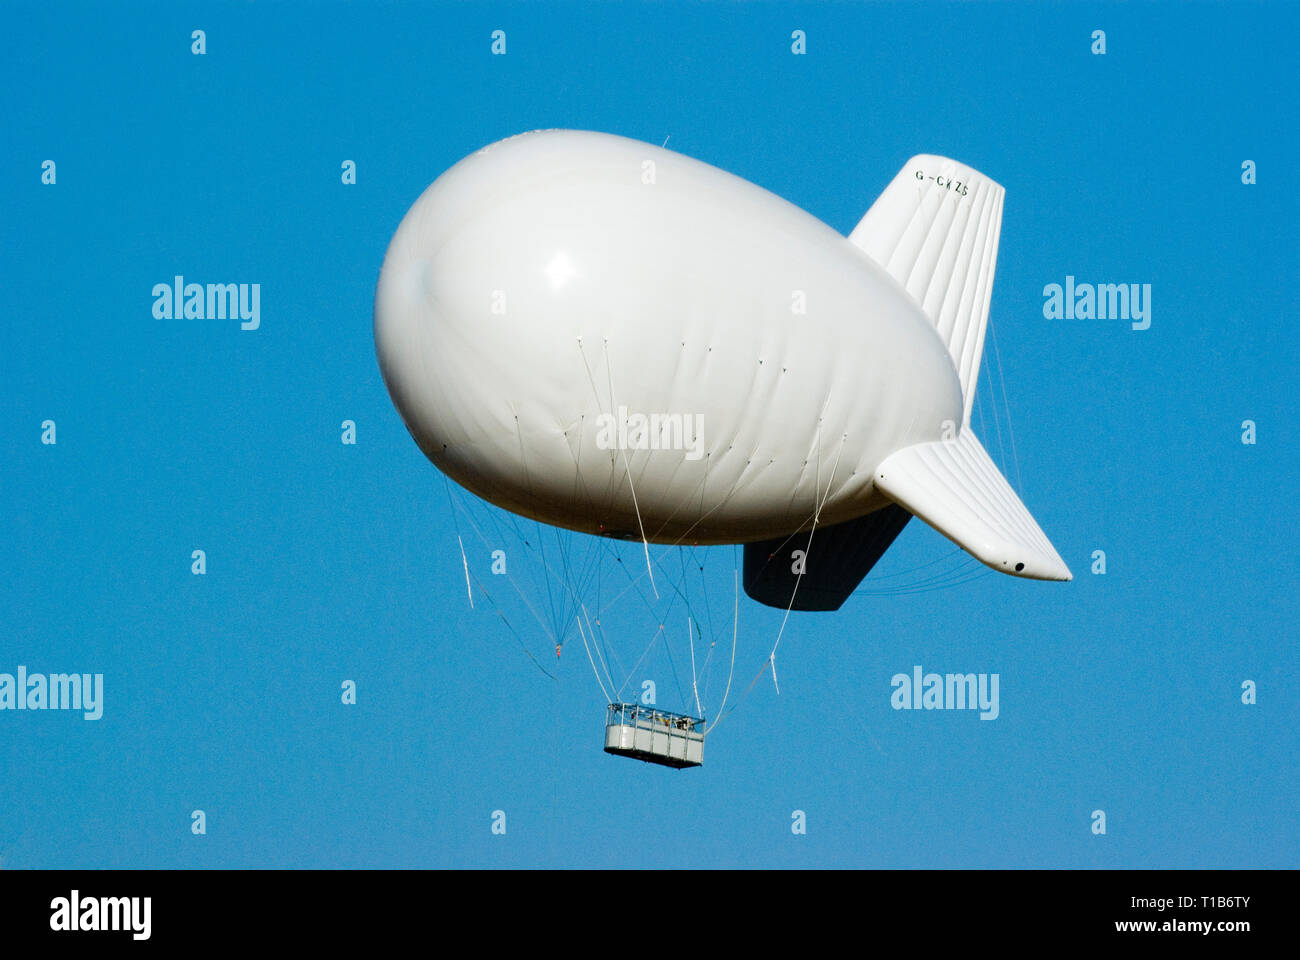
{"x":329,"y":562}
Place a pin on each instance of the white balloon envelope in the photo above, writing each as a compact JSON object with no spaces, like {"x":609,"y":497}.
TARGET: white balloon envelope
{"x":611,"y":337}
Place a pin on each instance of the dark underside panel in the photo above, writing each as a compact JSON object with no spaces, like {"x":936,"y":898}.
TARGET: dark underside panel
{"x":840,"y":557}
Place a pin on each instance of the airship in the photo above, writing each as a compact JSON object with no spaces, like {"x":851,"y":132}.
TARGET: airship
{"x":613,"y":338}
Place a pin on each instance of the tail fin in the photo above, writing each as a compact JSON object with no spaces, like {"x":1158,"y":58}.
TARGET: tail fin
{"x":954,"y":487}
{"x":835,"y":559}
{"x":935,"y":229}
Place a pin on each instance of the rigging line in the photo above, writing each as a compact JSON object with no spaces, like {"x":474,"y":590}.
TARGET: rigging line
{"x":734,"y":631}
{"x":705,"y":675}
{"x":510,"y":577}
{"x":926,"y":588}
{"x":678,"y":541}
{"x":701,"y":487}
{"x":939,"y":579}
{"x":741,"y":699}
{"x":585,"y":575}
{"x":611,"y":650}
{"x":668,"y":649}
{"x":550,"y":597}
{"x":591,"y":379}
{"x":667,"y":615}
{"x":519,"y":534}
{"x":516,"y":533}
{"x":993,"y":406}
{"x":627,"y":469}
{"x":567,"y":567}
{"x":811,"y":533}
{"x":583,"y":593}
{"x":690,"y":610}
{"x":816,"y":492}
{"x":706,"y":670}
{"x":704,"y":589}
{"x":514,"y":525}
{"x":582,"y":633}
{"x":780,"y":548}
{"x":695,"y":688}
{"x":1010,"y":433}
{"x":639,"y":659}
{"x":601,"y":609}
{"x":681,"y":563}
{"x":592,"y":631}
{"x":980,"y":575}
{"x":690,"y":616}
{"x":563,"y":564}
{"x":548,"y":568}
{"x":532,"y":609}
{"x":591,"y":563}
{"x":936,"y":581}
{"x":501,"y":530}
{"x":685,"y":502}
{"x":655,"y":613}
{"x":890,"y":576}
{"x":961,"y":567}
{"x":735,"y":485}
{"x":677,"y":588}
{"x":771,"y":657}
{"x":513,"y":631}
{"x":609,"y":655}
{"x":541,"y":540}
{"x":464,"y":561}
{"x":456,"y":522}
{"x":713,"y":646}
{"x":599,"y":578}
{"x":581,"y":481}
{"x":633,"y":584}
{"x":704,"y":486}
{"x":903,"y":591}
{"x":635,"y":581}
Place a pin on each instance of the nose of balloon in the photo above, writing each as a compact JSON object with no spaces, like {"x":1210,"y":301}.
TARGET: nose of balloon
{"x":412,"y":283}
{"x":404,"y":289}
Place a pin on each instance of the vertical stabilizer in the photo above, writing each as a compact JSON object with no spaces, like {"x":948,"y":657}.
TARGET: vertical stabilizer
{"x":935,"y":229}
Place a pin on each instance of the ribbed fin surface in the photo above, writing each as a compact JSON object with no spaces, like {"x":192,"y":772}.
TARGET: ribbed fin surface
{"x":935,"y":229}
{"x":956,"y":488}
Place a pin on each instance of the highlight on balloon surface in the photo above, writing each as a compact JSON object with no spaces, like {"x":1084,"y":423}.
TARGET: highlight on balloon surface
{"x":640,"y":370}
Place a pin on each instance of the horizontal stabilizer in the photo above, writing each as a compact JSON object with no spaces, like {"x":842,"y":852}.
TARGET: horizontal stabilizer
{"x":839,"y":557}
{"x":955,"y":487}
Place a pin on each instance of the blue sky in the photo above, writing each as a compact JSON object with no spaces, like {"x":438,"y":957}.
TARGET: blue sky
{"x":328,"y":562}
